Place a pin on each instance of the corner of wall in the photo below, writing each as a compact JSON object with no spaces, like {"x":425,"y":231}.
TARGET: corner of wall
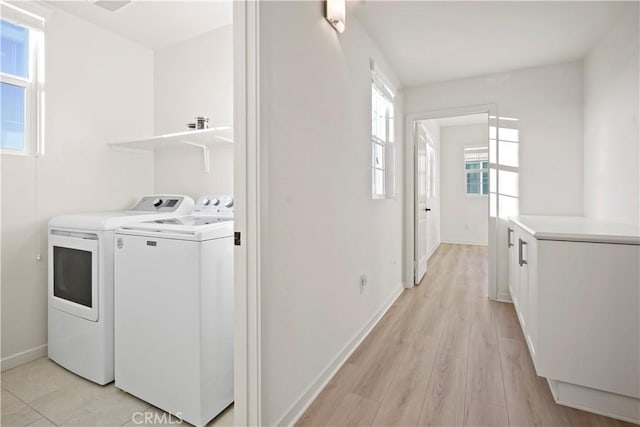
{"x":610,"y":123}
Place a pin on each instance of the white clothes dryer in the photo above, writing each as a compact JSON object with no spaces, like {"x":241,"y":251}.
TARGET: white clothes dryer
{"x":80,"y":283}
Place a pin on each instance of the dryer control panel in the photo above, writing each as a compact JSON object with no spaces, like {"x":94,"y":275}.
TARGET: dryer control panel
{"x":162,"y":203}
{"x":214,"y":205}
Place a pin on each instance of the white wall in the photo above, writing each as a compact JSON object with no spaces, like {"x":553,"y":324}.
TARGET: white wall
{"x":321,"y":229}
{"x":465,"y":219}
{"x":194,"y":78}
{"x":611,"y":146}
{"x":91,"y":99}
{"x":548,"y":103}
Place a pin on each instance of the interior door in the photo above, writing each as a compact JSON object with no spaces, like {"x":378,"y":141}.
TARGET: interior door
{"x":432,"y":204}
{"x":420,"y":228}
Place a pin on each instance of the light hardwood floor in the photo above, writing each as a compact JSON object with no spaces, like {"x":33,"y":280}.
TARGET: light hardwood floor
{"x":444,"y":355}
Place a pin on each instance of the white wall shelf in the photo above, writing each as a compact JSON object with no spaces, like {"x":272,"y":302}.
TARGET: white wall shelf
{"x":203,"y":139}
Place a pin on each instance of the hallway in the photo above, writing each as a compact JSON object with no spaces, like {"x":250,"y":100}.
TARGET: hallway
{"x":444,"y":355}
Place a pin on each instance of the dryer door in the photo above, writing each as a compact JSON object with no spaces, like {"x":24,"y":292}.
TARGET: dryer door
{"x":73,"y":274}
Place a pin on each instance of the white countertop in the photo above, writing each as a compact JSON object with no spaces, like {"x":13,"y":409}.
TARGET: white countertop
{"x":577,"y":228}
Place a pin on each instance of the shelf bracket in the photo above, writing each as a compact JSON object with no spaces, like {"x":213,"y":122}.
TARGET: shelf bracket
{"x":222,"y":138}
{"x":205,"y":154}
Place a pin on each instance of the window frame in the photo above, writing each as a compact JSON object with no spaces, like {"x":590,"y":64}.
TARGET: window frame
{"x":387,"y":146}
{"x":33,"y":85}
{"x":481,"y":171}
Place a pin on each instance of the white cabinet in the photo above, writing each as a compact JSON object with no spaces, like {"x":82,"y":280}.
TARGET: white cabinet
{"x":575,"y":285}
{"x":522,"y":281}
{"x":514,"y":271}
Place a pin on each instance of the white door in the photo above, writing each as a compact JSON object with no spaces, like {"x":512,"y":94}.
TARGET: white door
{"x":420,"y":228}
{"x":432,"y":203}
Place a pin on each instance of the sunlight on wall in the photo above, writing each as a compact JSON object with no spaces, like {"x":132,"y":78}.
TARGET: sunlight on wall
{"x":504,"y":162}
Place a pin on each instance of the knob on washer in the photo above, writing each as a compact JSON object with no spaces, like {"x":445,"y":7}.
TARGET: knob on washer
{"x":229,"y":202}
{"x":157,"y":203}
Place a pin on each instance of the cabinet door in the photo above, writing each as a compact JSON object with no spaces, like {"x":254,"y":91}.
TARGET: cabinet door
{"x":531,"y":266}
{"x":514,"y":268}
{"x":527,"y":260}
{"x":523,"y":285}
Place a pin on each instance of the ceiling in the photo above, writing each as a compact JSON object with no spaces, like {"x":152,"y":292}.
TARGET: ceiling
{"x":426,"y":42}
{"x":155,"y":24}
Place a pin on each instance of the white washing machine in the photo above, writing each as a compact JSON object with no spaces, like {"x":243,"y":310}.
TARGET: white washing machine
{"x":80,"y":282}
{"x":174,"y":311}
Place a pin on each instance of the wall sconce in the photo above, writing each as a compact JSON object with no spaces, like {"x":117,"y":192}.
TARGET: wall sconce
{"x":336,"y":14}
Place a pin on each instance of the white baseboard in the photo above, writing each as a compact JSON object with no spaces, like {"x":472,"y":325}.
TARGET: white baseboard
{"x":296,"y":411}
{"x":23,"y":357}
{"x":504,"y":297}
{"x":434,"y":250}
{"x":625,"y":408}
{"x":460,"y":242}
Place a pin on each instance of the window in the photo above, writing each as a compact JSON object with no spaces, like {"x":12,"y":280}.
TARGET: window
{"x":21,"y":82}
{"x":382,"y":137}
{"x":476,"y":168}
{"x":504,"y":140}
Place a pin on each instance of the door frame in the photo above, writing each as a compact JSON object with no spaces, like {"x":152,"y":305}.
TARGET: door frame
{"x":247,"y":192}
{"x":409,"y":179}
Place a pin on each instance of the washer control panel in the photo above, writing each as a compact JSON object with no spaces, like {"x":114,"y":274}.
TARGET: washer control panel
{"x":214,"y":204}
{"x":161,"y":203}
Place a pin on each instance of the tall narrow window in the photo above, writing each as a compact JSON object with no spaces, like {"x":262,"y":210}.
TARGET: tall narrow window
{"x":382,"y":137}
{"x":504,"y":138}
{"x":21,"y":81}
{"x":476,"y":167}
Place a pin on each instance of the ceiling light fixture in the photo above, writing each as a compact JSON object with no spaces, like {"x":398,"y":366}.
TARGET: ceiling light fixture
{"x":111,"y":5}
{"x":336,"y":14}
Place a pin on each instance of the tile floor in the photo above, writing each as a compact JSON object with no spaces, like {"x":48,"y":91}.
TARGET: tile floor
{"x":41,"y":393}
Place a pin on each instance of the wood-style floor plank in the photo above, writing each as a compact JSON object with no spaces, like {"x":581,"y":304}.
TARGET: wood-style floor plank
{"x":354,"y":410}
{"x":444,"y":401}
{"x":484,"y":372}
{"x":405,"y":396}
{"x":521,"y":385}
{"x":322,"y":409}
{"x":371,"y":345}
{"x":380,"y":372}
{"x":479,"y":413}
{"x":445,"y":355}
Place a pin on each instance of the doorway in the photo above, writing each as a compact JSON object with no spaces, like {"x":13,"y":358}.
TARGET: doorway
{"x":450,"y":186}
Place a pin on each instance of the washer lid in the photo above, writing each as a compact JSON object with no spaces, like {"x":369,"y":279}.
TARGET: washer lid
{"x":197,"y":228}
{"x":190,"y":221}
